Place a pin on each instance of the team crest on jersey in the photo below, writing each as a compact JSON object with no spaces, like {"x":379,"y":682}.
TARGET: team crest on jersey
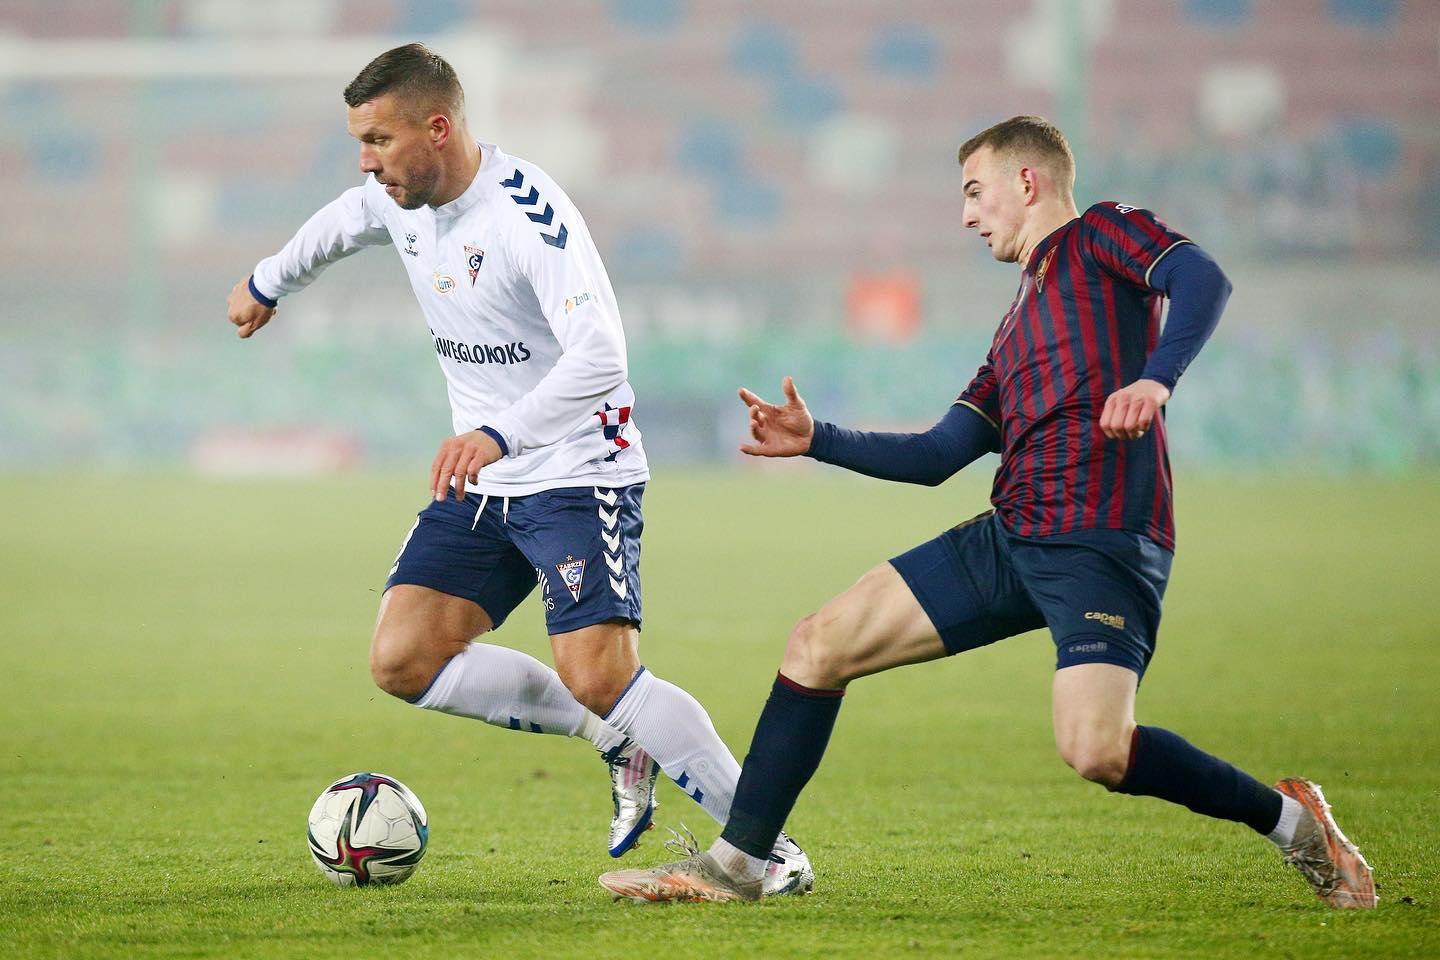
{"x":444,"y":283}
{"x":1040,"y":271}
{"x":474,"y":256}
{"x":572,"y":571}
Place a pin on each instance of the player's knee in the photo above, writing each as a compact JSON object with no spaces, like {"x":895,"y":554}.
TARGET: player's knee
{"x":595,"y":691}
{"x":396,"y":670}
{"x":1097,"y":760}
{"x":395,"y":677}
{"x":813,"y":656}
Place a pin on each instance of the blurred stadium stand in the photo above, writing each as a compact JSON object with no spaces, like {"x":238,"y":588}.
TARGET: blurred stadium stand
{"x":743,"y":167}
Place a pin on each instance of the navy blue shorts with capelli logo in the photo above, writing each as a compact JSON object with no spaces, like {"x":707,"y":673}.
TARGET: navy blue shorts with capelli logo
{"x":1099,"y":591}
{"x":579,"y":545}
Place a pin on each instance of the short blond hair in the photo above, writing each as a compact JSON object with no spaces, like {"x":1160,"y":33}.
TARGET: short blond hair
{"x":1026,"y":138}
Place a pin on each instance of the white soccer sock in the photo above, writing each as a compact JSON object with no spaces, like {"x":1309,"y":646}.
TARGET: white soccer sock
{"x":513,"y":690}
{"x":675,"y":730}
{"x":1284,"y":833}
{"x":736,"y":862}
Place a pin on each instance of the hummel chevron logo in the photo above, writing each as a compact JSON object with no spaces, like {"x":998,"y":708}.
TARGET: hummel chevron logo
{"x":608,"y":518}
{"x":516,"y":181}
{"x":608,"y":496}
{"x":613,"y":563}
{"x":612,"y":541}
{"x":618,"y":586}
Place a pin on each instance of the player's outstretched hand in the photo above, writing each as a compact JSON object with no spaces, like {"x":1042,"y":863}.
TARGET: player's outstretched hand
{"x":245,"y":311}
{"x":778,"y":431}
{"x":1129,"y":411}
{"x":460,"y":458}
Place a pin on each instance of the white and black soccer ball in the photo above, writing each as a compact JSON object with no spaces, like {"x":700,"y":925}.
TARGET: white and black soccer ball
{"x":367,"y":828}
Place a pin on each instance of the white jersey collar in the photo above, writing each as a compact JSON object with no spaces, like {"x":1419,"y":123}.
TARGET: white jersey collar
{"x":476,"y":191}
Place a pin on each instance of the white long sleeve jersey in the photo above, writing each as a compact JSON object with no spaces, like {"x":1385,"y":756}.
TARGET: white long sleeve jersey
{"x":521,"y":312}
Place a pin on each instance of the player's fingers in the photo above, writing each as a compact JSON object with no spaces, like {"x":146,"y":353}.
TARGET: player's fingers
{"x":1107,"y":417}
{"x":467,"y":470}
{"x":752,"y":449}
{"x":791,"y":395}
{"x":465,"y":464}
{"x":755,"y":432}
{"x":1131,"y":425}
{"x":447,"y":471}
{"x":750,"y":399}
{"x":1147,"y":417}
{"x":435,"y":470}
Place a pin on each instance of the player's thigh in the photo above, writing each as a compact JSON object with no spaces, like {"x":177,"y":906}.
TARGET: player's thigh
{"x":1093,"y":712}
{"x":412,"y":616}
{"x":583,"y":544}
{"x":875,"y":625}
{"x":964,"y":585}
{"x":456,"y":577}
{"x":1100,"y":592}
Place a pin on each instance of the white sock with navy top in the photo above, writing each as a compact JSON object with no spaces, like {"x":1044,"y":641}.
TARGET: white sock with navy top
{"x":674,"y":728}
{"x":515,"y":691}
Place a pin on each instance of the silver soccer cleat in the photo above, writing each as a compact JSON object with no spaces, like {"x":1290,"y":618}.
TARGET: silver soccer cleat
{"x":632,"y":788}
{"x":789,"y":872}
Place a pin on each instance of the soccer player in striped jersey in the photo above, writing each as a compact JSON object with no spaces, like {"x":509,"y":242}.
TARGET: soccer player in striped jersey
{"x":541,"y":484}
{"x":1080,"y":539}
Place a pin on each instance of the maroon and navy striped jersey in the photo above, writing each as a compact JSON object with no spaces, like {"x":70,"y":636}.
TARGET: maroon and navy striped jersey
{"x":1081,"y":327}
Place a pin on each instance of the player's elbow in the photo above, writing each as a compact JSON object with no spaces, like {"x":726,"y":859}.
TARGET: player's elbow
{"x":609,"y":371}
{"x":935,"y":477}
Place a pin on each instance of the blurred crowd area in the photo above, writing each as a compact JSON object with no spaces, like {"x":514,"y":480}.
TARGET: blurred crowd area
{"x":773,"y":186}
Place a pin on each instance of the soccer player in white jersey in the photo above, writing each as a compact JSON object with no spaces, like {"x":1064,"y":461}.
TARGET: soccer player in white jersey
{"x":542,"y":482}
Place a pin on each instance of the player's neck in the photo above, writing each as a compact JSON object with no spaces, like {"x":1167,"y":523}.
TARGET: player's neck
{"x":460,"y":172}
{"x":1045,"y":222}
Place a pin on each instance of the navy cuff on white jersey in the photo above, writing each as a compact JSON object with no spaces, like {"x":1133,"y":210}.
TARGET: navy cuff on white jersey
{"x":494,"y":434}
{"x":260,"y":298}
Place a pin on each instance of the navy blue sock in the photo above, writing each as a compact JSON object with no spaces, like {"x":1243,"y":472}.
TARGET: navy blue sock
{"x":789,"y":741}
{"x":1168,"y":766}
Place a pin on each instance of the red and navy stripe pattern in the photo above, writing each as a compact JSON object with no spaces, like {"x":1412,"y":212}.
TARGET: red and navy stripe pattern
{"x":1081,"y":327}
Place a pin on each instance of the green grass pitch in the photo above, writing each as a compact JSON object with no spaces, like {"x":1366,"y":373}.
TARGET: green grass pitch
{"x":183,"y":668}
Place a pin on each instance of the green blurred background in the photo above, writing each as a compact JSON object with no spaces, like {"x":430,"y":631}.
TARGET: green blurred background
{"x":773,"y":187}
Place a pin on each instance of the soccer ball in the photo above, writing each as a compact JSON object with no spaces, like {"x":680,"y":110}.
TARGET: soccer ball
{"x":367,"y":828}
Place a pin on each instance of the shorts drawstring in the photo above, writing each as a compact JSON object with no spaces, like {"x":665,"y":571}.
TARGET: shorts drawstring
{"x":504,"y":510}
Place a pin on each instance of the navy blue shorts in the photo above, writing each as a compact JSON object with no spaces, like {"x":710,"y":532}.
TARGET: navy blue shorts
{"x":581,"y":545}
{"x":1099,"y":591}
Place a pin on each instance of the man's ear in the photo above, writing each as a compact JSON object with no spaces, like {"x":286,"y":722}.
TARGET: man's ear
{"x":1029,"y":182}
{"x":439,"y":129}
